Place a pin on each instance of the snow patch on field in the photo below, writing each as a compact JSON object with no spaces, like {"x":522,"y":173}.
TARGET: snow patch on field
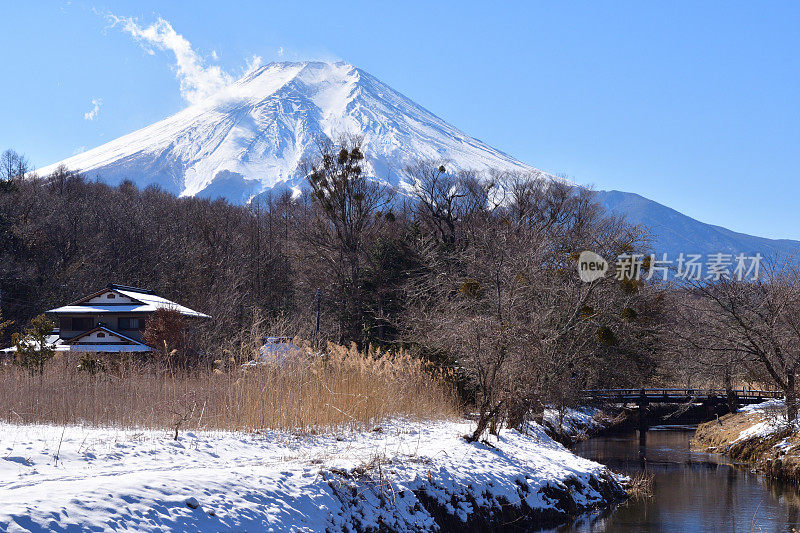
{"x":68,"y":478}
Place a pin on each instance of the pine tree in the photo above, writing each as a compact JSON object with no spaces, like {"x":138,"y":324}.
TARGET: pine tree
{"x":33,"y":350}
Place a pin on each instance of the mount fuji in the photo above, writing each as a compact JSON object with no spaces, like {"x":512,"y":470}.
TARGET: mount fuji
{"x":253,"y":135}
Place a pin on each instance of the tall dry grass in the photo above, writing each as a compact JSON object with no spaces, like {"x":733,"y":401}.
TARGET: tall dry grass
{"x":303,"y":392}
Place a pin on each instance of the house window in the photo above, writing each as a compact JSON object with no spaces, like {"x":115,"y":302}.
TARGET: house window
{"x":111,"y":296}
{"x":79,"y":324}
{"x":131,"y":323}
{"x":100,"y":334}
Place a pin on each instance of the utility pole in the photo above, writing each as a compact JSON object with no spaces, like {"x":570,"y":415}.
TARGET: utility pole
{"x":316,"y":328}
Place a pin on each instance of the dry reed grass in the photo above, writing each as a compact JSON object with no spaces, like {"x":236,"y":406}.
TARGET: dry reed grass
{"x":641,"y":486}
{"x":302,"y":393}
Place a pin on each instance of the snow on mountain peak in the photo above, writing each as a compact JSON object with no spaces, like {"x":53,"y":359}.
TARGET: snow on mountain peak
{"x":252,"y":136}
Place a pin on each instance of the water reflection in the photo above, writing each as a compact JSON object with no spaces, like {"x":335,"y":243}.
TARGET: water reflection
{"x":692,"y":491}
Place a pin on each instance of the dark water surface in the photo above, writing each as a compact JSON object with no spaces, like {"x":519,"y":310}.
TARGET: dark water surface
{"x":691,"y":491}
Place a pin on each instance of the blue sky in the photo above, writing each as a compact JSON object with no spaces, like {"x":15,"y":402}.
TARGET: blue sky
{"x":694,"y":105}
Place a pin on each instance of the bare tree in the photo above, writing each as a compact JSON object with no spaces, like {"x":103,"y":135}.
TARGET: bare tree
{"x":692,"y":354}
{"x":755,"y":323}
{"x":13,"y":165}
{"x":351,"y":207}
{"x":521,"y":327}
{"x":443,"y":200}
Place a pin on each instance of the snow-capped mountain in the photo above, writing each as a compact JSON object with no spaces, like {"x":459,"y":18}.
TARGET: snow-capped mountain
{"x":252,"y":136}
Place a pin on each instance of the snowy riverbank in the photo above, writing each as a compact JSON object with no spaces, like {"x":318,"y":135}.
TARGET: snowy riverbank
{"x":400,"y":477}
{"x":573,"y":425}
{"x":759,"y":436}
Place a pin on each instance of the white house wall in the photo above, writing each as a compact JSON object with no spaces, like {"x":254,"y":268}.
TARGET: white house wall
{"x":95,"y":337}
{"x":111,"y":297}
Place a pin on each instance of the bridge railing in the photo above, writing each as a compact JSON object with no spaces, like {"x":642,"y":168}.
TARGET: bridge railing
{"x":684,"y":393}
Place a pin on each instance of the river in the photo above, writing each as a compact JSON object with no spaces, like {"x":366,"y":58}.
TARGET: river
{"x":692,"y":492}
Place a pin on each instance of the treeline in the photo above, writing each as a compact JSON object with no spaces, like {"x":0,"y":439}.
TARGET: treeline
{"x":478,"y":275}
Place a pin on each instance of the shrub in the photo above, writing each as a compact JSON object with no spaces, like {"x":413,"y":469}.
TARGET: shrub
{"x":166,"y":332}
{"x":90,"y":364}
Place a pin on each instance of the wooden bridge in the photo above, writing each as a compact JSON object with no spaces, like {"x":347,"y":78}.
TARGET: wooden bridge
{"x":707,"y":403}
{"x":705,"y":396}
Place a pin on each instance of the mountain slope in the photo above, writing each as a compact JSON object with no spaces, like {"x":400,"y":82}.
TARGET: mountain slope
{"x":253,"y":135}
{"x":675,"y":232}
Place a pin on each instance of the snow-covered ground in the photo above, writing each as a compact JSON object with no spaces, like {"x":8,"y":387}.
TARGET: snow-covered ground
{"x":576,"y":424}
{"x":396,"y":477}
{"x":771,"y":419}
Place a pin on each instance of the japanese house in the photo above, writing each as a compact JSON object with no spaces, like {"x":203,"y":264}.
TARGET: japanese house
{"x":110,"y":320}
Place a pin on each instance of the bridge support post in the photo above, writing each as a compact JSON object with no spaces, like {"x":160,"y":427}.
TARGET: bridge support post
{"x":643,"y":419}
{"x":710,"y":407}
{"x":732,"y":399}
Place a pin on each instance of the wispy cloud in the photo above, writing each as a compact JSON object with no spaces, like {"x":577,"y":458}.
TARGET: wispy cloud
{"x":253,"y":63}
{"x":197,"y":80}
{"x":93,"y":112}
